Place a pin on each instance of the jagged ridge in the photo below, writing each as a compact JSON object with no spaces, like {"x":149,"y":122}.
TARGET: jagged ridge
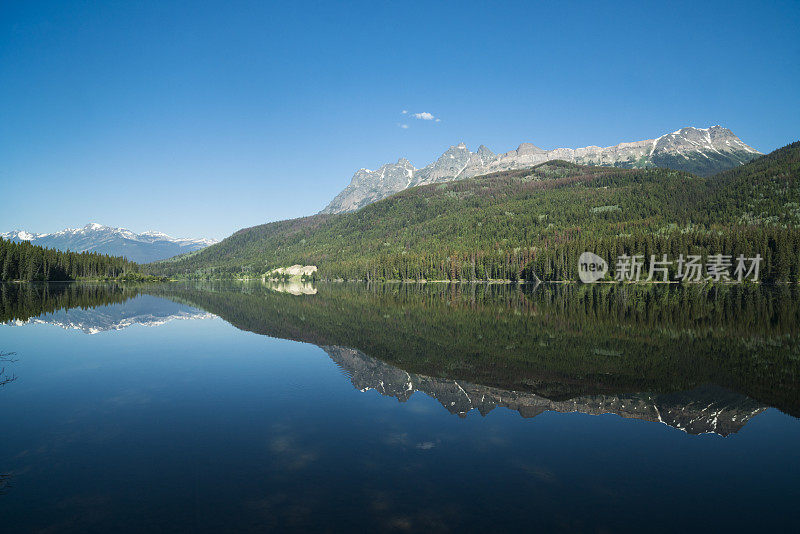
{"x":702,"y":151}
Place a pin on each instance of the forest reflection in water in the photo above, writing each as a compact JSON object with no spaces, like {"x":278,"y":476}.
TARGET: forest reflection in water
{"x":702,"y":359}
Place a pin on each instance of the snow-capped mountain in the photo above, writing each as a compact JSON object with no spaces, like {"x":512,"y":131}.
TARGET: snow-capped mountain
{"x":703,"y":151}
{"x":141,"y":248}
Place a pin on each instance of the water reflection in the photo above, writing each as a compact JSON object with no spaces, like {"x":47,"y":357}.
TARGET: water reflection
{"x":706,"y":409}
{"x":122,"y":431}
{"x":698,"y":359}
{"x":293,"y":287}
{"x":20,"y":302}
{"x":90,"y":308}
{"x":5,"y":376}
{"x":143,"y":310}
{"x":556,"y":342}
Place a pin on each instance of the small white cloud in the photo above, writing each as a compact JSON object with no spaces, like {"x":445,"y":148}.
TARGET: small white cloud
{"x":438,"y":120}
{"x":405,"y":112}
{"x":424,"y":116}
{"x":403,"y":126}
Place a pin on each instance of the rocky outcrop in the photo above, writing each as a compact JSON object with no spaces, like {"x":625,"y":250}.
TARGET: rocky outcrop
{"x":295,"y":271}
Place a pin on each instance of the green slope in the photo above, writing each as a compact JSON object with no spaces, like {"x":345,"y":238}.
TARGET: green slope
{"x":513,"y":224}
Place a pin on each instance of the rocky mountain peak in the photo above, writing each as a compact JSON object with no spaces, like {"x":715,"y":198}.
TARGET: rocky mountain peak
{"x":367,"y":186}
{"x":528,"y":148}
{"x":449,"y":165}
{"x":703,"y":151}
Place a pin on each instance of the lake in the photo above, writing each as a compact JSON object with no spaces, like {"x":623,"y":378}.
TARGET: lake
{"x":224,"y":406}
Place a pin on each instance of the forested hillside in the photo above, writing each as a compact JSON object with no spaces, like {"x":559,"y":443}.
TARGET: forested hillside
{"x":533,"y":223}
{"x":26,"y":262}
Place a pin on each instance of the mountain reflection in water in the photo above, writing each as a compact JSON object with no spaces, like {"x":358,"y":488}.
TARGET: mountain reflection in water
{"x":697,"y":359}
{"x":142,"y":310}
{"x":706,"y":409}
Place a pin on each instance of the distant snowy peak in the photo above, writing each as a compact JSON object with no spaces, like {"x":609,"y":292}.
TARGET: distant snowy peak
{"x":152,"y":236}
{"x":99,"y":230}
{"x":18,"y":235}
{"x":94,"y":237}
{"x":703,"y":151}
{"x":715,"y":139}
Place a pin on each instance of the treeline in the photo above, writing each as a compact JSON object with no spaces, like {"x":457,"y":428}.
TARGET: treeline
{"x":533,"y":223}
{"x":26,"y":262}
{"x":778,"y":248}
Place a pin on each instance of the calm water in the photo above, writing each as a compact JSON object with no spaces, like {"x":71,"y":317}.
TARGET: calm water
{"x":235,"y":407}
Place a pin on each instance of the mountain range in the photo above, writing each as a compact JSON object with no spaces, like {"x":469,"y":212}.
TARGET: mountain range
{"x":532,"y":223}
{"x":141,"y":248}
{"x":701,"y":151}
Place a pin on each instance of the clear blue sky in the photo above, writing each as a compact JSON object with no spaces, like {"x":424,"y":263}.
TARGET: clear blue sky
{"x":200,"y":118}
